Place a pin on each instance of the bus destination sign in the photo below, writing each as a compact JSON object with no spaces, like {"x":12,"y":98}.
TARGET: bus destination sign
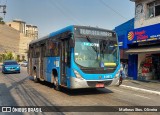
{"x":95,"y":32}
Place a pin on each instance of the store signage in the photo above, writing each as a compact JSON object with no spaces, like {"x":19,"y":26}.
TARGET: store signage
{"x":149,"y":33}
{"x":130,"y":36}
{"x":120,"y":43}
{"x":141,"y":35}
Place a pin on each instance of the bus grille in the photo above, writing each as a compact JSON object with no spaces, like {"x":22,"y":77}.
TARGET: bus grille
{"x":98,"y":71}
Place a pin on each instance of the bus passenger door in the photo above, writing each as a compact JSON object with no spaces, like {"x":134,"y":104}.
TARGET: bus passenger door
{"x":30,"y":68}
{"x":63,"y":77}
{"x":42,"y":52}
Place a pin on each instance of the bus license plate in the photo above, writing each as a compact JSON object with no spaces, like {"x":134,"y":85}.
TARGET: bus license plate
{"x":100,"y":85}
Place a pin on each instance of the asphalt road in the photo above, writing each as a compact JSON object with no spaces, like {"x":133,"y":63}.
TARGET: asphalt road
{"x":20,"y":90}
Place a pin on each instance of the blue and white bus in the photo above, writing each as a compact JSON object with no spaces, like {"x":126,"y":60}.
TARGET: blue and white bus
{"x":76,"y":57}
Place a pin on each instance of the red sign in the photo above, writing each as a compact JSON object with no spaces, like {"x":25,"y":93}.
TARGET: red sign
{"x":141,"y":35}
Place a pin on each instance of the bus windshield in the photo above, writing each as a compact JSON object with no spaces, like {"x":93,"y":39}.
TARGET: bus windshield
{"x":96,"y":53}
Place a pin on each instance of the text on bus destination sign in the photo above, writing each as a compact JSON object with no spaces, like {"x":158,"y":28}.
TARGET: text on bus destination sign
{"x":95,"y":32}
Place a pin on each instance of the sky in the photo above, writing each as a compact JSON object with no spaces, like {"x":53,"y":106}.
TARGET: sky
{"x":52,"y":15}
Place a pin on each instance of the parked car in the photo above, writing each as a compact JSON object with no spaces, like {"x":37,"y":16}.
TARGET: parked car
{"x":24,"y":63}
{"x":10,"y":66}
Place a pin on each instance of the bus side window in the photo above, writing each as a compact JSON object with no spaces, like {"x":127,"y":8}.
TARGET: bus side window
{"x":52,"y":48}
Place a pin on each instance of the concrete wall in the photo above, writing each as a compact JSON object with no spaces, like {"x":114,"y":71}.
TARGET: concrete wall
{"x":141,"y":14}
{"x":14,"y":25}
{"x":12,"y":40}
{"x":23,"y":45}
{"x":9,"y":39}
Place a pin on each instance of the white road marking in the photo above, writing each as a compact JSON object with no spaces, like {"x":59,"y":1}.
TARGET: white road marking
{"x":142,"y":96}
{"x":140,"y":89}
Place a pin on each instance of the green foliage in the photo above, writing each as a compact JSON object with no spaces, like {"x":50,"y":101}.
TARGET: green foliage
{"x":1,"y":21}
{"x":18,"y":58}
{"x":23,"y":58}
{"x":9,"y":56}
{"x":6,"y":56}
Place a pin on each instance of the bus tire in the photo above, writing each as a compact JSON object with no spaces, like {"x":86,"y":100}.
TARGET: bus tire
{"x":36,"y":80}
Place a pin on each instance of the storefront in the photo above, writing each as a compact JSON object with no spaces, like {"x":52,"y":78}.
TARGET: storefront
{"x":144,"y":53}
{"x":121,"y":31}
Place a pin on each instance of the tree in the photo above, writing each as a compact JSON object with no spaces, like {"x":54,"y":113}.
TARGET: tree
{"x":6,"y":56}
{"x":18,"y":58}
{"x":23,"y":58}
{"x":9,"y":56}
{"x":1,"y":57}
{"x":1,"y":21}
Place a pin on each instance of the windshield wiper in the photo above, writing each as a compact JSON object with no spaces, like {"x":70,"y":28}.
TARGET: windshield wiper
{"x":94,"y":47}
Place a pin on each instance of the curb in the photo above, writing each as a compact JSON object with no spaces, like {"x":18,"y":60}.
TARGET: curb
{"x":140,"y":89}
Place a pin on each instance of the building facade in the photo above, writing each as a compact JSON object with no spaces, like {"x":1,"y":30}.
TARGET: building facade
{"x":144,"y":41}
{"x":15,"y":37}
{"x":9,"y":39}
{"x":18,"y":25}
{"x":121,"y":31}
{"x":30,"y":31}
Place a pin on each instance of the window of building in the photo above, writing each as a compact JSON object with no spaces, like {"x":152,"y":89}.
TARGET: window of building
{"x":154,"y":9}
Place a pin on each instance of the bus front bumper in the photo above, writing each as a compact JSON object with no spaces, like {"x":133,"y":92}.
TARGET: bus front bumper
{"x":115,"y":82}
{"x":76,"y":83}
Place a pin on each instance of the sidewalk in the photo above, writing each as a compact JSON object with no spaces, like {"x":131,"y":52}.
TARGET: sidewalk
{"x":145,"y":86}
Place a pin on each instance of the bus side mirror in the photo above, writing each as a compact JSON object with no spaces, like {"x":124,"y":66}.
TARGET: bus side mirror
{"x":71,"y":43}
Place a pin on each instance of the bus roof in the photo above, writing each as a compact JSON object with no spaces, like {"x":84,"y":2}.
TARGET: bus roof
{"x":68,"y":28}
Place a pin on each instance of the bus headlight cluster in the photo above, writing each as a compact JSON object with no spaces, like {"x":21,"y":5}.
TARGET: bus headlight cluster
{"x":77,"y":74}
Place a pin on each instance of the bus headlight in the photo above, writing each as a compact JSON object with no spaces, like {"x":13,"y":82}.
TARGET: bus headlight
{"x":6,"y":67}
{"x":77,"y":74}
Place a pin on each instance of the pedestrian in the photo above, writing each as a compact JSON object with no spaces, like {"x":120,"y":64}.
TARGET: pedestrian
{"x":122,"y":75}
{"x":126,"y":69}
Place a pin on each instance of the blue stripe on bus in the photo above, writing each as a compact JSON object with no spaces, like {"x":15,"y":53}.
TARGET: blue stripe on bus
{"x":69,"y":28}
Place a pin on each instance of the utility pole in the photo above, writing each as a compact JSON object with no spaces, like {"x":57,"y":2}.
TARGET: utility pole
{"x":3,"y":9}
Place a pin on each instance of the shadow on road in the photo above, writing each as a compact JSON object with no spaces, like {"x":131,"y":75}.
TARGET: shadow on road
{"x":87,"y":91}
{"x":77,"y":92}
{"x":6,"y":99}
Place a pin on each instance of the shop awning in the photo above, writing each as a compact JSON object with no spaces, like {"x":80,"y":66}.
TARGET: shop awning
{"x":143,"y":50}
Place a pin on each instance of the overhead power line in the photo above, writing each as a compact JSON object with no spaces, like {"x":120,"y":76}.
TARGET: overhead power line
{"x":115,"y":11}
{"x":63,"y":12}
